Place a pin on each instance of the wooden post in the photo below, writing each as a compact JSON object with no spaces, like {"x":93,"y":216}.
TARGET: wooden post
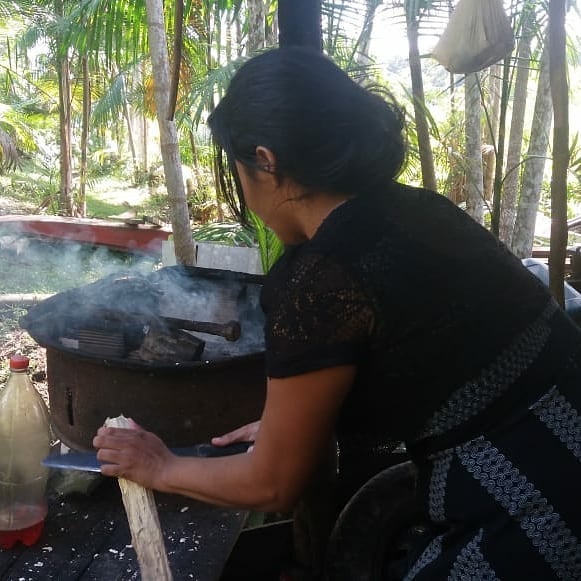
{"x":560,"y":95}
{"x":144,"y":524}
{"x":299,"y":23}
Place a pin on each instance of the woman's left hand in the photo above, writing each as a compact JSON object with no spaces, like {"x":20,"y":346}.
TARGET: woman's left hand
{"x":134,"y":454}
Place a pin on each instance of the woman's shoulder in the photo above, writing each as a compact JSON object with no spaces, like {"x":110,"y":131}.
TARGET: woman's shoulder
{"x":396,"y":207}
{"x":309,"y":266}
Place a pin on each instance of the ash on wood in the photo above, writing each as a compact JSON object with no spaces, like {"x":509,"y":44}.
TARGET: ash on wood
{"x":143,"y":522}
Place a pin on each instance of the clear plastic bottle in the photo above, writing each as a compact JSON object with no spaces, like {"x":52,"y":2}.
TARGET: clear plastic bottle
{"x":24,"y":442}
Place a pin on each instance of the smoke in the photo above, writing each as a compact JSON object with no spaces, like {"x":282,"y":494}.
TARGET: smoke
{"x":35,"y":264}
{"x":85,"y":279}
{"x":217,"y":296}
{"x":114,"y":312}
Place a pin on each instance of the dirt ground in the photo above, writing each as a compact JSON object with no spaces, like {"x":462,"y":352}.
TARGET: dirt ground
{"x":15,"y":340}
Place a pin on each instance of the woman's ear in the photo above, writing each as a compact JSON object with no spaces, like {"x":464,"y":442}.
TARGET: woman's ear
{"x":265,"y":159}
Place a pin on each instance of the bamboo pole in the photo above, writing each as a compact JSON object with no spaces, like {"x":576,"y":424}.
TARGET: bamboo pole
{"x":144,"y":524}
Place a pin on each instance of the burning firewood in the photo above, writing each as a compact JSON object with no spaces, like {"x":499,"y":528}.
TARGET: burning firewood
{"x":146,"y":535}
{"x":163,"y":344}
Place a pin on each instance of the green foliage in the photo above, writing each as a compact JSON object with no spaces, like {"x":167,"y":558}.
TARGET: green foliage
{"x":27,"y":187}
{"x":271,"y":248}
{"x":228,"y":233}
{"x":114,"y":37}
{"x":575,"y":156}
{"x":157,"y":205}
{"x":106,"y":162}
{"x":205,"y":89}
{"x":114,"y":30}
{"x":574,"y":189}
{"x":235,"y":234}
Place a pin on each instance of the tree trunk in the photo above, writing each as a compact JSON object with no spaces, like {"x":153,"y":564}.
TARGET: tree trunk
{"x":140,"y":125}
{"x":272,"y":29}
{"x":494,"y":90}
{"x":500,"y":147}
{"x":170,"y":153}
{"x":560,"y":95}
{"x":515,"y":139}
{"x":210,"y":64}
{"x":66,"y":204}
{"x":144,"y":143}
{"x":82,"y":205}
{"x":239,"y":35}
{"x":299,"y":23}
{"x":256,"y":26}
{"x":534,"y":166}
{"x":454,"y":188}
{"x":228,"y":34}
{"x":473,"y":151}
{"x":362,"y":48}
{"x":176,"y":56}
{"x":425,"y":148}
{"x":217,"y":36}
{"x":130,"y":132}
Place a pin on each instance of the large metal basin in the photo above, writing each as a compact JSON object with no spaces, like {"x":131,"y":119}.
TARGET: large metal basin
{"x":183,"y":402}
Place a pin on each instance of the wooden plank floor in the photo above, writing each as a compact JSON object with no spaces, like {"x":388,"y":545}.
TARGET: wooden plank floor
{"x":86,"y":537}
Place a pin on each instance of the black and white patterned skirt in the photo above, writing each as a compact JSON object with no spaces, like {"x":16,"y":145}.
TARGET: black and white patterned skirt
{"x":507,"y":504}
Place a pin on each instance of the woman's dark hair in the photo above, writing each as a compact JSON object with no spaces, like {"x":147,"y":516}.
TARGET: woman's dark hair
{"x":326,"y":131}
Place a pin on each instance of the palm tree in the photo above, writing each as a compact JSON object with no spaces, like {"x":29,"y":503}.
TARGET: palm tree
{"x":183,"y":242}
{"x":256,"y":25}
{"x":67,"y":206}
{"x":9,"y":154}
{"x":473,"y":148}
{"x":421,"y":17}
{"x":515,"y":140}
{"x":534,"y":163}
{"x":118,"y":42}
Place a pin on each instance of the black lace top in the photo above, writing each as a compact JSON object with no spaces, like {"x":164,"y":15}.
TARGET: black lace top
{"x":444,"y":324}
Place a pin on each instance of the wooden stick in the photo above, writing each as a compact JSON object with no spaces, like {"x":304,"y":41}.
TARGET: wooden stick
{"x":23,"y":299}
{"x":144,"y":524}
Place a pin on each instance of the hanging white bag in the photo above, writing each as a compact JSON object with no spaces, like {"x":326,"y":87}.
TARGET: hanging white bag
{"x":478,"y":35}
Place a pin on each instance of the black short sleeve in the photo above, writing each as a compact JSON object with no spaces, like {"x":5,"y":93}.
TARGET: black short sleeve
{"x":317,"y":315}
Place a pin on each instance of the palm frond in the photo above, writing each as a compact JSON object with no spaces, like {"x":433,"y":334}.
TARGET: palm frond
{"x":9,"y":156}
{"x":110,"y":105}
{"x":215,"y":83}
{"x":114,"y":29}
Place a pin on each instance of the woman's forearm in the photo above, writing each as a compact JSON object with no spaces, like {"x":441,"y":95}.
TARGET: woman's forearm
{"x":295,"y":429}
{"x":226,"y":481}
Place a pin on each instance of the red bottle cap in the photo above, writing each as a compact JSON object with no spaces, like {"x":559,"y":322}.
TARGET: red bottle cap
{"x":19,"y":362}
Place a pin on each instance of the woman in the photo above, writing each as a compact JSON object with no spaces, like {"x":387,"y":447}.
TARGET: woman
{"x":391,"y":317}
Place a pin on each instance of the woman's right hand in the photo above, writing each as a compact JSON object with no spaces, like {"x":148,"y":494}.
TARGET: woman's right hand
{"x":245,"y":433}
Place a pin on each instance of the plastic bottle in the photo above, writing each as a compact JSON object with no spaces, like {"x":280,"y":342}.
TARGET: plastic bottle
{"x":24,"y":442}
